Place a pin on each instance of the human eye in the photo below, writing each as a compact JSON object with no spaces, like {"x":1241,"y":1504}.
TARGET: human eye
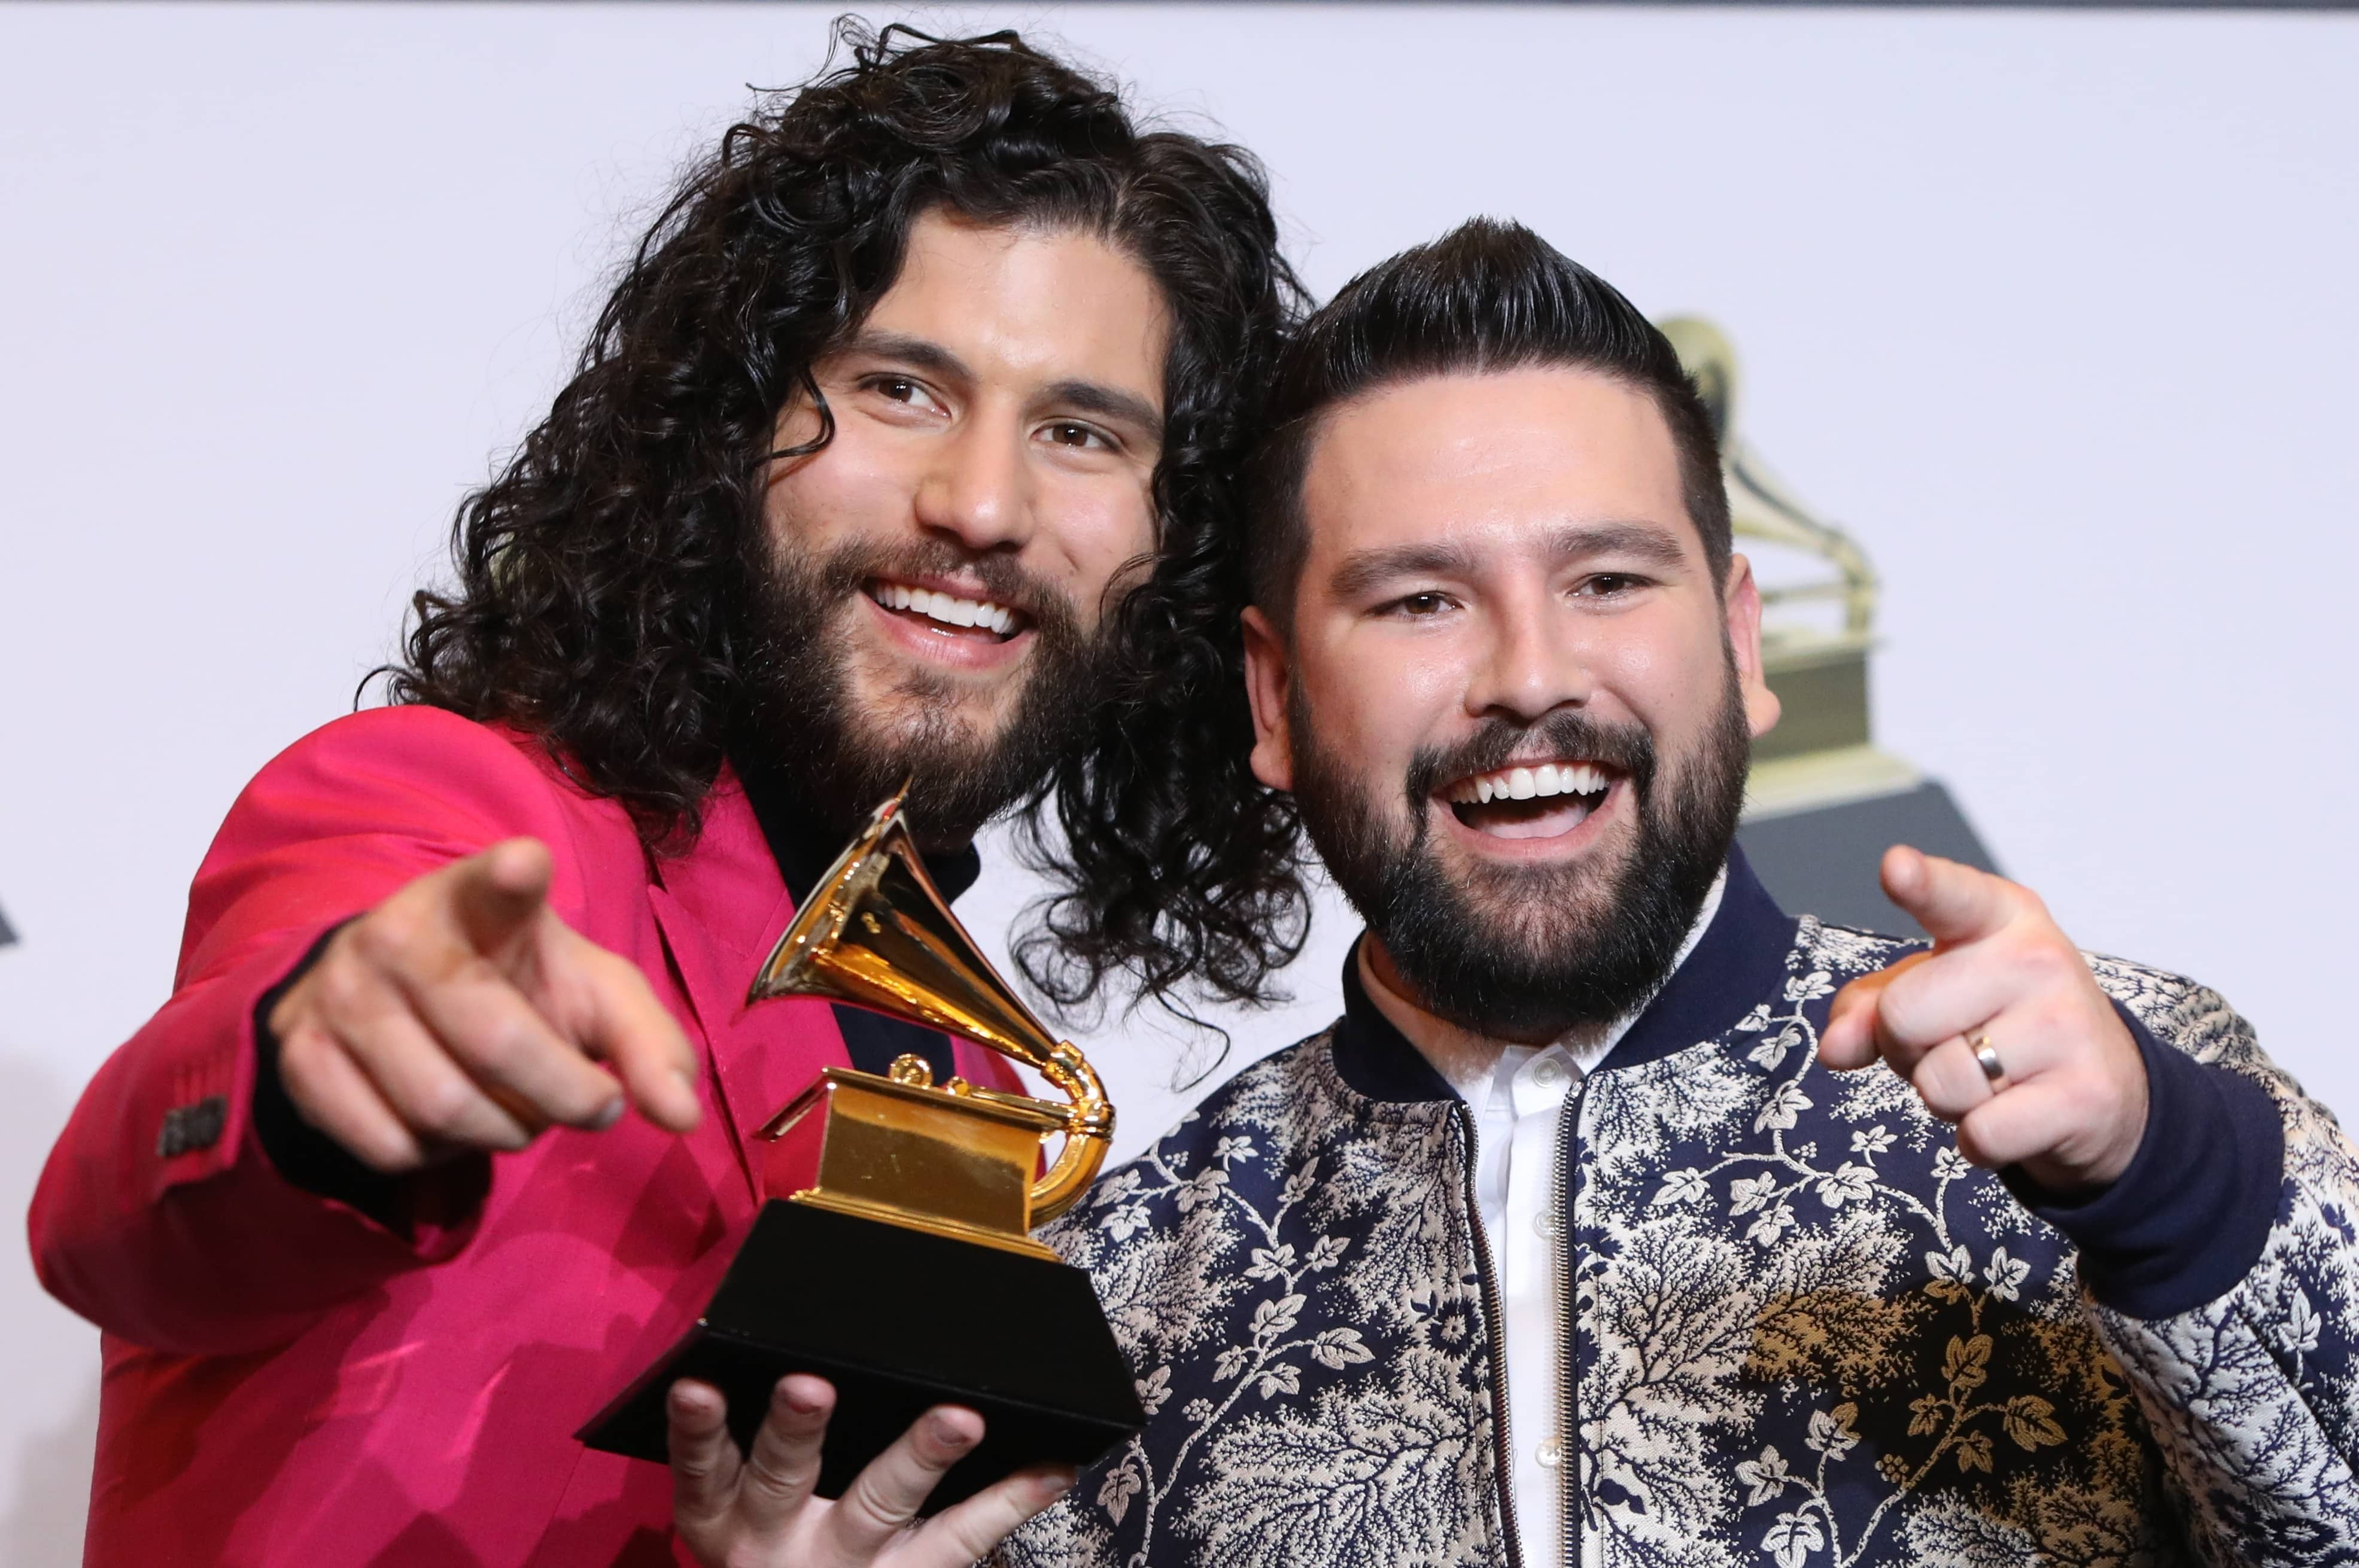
{"x":904,"y":390}
{"x":1609,"y":585}
{"x":1076,"y":434}
{"x":1424,"y":605}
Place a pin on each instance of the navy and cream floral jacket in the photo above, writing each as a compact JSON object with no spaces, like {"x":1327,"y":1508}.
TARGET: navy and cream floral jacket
{"x":1805,"y":1333}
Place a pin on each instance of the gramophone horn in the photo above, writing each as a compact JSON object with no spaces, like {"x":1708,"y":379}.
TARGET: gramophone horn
{"x":876,"y":933}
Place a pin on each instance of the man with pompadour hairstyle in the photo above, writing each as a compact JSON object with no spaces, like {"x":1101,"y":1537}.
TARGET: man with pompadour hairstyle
{"x":903,"y":444}
{"x":1624,"y":1219}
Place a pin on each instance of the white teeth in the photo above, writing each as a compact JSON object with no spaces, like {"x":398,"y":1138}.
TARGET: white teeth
{"x":945,"y":607}
{"x":1530,"y":783}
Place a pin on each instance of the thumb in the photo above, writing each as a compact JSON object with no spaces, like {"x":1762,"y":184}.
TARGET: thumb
{"x":1954,"y":903}
{"x":1848,"y":1039}
{"x":498,"y":894}
{"x":967,"y":1532}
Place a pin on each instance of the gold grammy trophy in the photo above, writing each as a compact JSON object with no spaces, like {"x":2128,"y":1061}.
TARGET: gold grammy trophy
{"x":894,"y":1256}
{"x":954,"y":1161}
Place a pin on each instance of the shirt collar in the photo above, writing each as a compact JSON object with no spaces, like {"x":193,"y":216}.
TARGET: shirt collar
{"x":1739,"y":958}
{"x":805,"y":847}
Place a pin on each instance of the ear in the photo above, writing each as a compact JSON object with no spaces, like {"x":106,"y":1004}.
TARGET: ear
{"x":1741,"y":604}
{"x":1268,"y":676}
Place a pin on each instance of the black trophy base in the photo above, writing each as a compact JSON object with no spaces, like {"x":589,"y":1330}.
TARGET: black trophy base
{"x":899,"y":1321}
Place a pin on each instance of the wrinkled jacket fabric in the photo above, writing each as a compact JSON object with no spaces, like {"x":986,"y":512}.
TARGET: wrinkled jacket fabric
{"x":290,"y":1381}
{"x":1805,"y":1333}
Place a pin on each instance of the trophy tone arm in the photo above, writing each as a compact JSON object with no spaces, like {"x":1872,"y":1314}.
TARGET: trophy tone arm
{"x":1089,"y":1128}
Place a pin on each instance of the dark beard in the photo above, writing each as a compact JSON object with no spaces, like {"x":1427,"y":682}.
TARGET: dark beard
{"x":1532,"y":954}
{"x":809,"y":742}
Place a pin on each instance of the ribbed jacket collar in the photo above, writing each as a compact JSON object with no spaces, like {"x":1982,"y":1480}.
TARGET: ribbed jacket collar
{"x":1739,"y":961}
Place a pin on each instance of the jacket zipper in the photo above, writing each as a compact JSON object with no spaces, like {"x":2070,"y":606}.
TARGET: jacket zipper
{"x":1503,"y":1449}
{"x":1568,"y":1331}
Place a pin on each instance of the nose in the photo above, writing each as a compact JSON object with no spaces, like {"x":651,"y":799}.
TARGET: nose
{"x":975,"y":488}
{"x":1532,"y":665}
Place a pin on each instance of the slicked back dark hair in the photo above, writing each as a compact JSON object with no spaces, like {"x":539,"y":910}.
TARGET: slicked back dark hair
{"x":599,"y":601}
{"x":1488,"y":296}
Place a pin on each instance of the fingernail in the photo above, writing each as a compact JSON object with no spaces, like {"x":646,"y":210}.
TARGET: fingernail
{"x":1057,"y":1483}
{"x":608,"y":1113}
{"x":801,"y":1403}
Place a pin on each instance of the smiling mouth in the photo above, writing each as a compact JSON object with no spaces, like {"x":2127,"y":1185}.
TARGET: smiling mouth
{"x":1525,"y":800}
{"x":948,"y":613}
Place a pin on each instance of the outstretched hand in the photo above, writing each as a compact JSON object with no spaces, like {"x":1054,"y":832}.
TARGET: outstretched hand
{"x":2070,"y":1105}
{"x":757,"y":1510}
{"x":461,"y":1014}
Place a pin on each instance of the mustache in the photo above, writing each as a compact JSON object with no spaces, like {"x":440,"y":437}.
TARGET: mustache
{"x":847,"y":568}
{"x":800,"y":729}
{"x":1567,"y":733}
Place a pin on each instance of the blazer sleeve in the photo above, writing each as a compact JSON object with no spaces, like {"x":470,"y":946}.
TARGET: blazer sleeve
{"x":2253,"y":1393}
{"x":160,"y":1216}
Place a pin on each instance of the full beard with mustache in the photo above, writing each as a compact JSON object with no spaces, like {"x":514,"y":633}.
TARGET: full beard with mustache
{"x":810,"y":739}
{"x":1533,"y":953}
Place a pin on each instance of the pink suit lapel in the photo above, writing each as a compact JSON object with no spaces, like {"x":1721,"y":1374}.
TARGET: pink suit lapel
{"x":722,"y":907}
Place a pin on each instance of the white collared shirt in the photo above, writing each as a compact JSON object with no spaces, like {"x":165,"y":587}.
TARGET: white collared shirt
{"x":1516,"y":1104}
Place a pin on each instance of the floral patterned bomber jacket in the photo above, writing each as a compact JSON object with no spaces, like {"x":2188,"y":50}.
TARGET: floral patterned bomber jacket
{"x":1805,"y":1333}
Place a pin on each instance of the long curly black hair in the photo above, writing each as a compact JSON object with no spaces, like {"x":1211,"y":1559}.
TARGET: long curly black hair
{"x":600,"y":576}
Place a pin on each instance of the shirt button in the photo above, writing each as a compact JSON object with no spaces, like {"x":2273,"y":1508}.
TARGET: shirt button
{"x":1549,"y":1074}
{"x":1550,"y":1453}
{"x":1545,"y":1223}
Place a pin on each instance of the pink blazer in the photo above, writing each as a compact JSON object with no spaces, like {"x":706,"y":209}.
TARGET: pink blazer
{"x":288,"y":1381}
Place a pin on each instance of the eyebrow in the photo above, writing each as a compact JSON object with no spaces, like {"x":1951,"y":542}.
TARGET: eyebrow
{"x":918,"y":353}
{"x":1109,"y":403}
{"x":1363,"y":571}
{"x":1085,"y":396}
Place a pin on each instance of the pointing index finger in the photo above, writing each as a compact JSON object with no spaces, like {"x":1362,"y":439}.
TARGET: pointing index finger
{"x":630,"y":1030}
{"x":1954,"y":903}
{"x":497,"y":892}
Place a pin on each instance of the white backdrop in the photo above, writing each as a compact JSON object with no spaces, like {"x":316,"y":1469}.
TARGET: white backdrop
{"x":2054,"y":310}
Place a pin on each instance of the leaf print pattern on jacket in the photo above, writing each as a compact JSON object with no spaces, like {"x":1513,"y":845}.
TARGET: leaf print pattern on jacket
{"x":1810,"y":1334}
{"x":1209,"y":1253}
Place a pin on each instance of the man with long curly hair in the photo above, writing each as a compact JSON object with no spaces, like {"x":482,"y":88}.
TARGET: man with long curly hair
{"x":904,"y":443}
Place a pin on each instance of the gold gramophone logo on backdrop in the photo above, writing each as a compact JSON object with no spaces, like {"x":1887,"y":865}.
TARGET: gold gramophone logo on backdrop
{"x":1823,"y":800}
{"x":1818,"y":613}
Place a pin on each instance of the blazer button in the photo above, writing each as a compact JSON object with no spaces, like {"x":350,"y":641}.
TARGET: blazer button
{"x":188,"y":1129}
